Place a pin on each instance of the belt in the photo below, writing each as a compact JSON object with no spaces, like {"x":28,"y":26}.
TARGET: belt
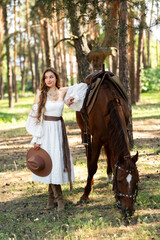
{"x":66,"y":152}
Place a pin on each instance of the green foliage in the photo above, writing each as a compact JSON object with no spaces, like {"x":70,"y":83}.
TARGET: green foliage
{"x":150,"y":79}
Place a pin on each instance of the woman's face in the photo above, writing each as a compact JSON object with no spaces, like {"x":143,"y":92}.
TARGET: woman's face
{"x":50,"y":79}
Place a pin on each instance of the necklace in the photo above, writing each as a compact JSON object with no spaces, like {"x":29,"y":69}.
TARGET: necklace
{"x":53,"y":95}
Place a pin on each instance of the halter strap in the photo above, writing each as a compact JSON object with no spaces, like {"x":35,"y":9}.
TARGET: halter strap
{"x":116,"y":192}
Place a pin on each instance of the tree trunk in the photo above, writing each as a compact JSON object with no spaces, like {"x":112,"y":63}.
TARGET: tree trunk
{"x":59,"y":47}
{"x":9,"y":70}
{"x":64,"y":62}
{"x":22,"y":56}
{"x":47,"y":42}
{"x":36,"y":57}
{"x":15,"y":53}
{"x":140,"y":50}
{"x":1,"y":60}
{"x":123,"y":61}
{"x":43,"y":65}
{"x":148,"y":34}
{"x":29,"y":47}
{"x":80,"y":41}
{"x":131,"y":58}
{"x":55,"y":40}
{"x":111,"y":35}
{"x":144,"y":55}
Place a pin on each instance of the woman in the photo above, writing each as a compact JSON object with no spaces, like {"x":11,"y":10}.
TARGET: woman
{"x":47,"y":127}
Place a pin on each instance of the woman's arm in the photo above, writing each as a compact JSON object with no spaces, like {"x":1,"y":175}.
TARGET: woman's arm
{"x":63,"y":91}
{"x":70,"y":101}
{"x":75,"y":96}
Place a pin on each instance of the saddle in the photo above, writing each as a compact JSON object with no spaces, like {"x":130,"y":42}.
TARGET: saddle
{"x":94,"y":82}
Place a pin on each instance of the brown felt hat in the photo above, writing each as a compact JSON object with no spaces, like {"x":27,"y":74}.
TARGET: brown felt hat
{"x":39,"y":162}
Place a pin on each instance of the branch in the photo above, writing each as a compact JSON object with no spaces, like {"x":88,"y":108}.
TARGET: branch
{"x":72,"y":38}
{"x":62,"y":40}
{"x":6,"y":38}
{"x":18,"y":32}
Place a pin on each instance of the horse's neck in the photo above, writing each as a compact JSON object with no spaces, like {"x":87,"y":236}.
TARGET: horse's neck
{"x":118,"y":130}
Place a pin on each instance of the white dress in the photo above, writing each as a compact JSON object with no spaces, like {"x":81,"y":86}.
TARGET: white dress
{"x":49,"y":134}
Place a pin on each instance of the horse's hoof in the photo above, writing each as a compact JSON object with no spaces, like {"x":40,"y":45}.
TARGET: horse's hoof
{"x":79,"y":202}
{"x":82,"y":200}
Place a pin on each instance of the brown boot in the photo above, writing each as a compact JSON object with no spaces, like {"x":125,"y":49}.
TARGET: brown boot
{"x":51,"y":199}
{"x":58,"y":196}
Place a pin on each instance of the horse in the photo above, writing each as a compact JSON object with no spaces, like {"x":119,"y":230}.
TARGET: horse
{"x":107,"y":125}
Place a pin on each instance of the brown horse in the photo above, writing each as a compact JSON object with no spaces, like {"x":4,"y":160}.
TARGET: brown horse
{"x":107,"y":125}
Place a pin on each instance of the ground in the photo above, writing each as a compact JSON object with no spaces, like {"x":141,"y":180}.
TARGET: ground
{"x":15,"y":177}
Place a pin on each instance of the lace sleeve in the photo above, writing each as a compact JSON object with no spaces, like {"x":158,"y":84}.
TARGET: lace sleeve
{"x":34,"y":128}
{"x":78,"y":92}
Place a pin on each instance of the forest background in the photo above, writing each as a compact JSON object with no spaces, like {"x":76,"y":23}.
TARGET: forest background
{"x":77,"y":37}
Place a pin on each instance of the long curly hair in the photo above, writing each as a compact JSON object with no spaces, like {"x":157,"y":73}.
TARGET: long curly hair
{"x":44,"y":89}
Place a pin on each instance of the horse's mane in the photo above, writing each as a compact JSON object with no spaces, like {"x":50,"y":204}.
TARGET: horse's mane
{"x":115,"y":129}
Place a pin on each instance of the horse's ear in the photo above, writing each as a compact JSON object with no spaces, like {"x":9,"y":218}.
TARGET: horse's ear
{"x":135,"y":158}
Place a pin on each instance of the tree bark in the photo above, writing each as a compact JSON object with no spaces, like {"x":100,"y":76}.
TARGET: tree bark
{"x":140,"y":51}
{"x":59,"y":47}
{"x":15,"y":54}
{"x":9,"y":70}
{"x":1,"y":60}
{"x":47,"y":43}
{"x":123,"y":61}
{"x":148,"y":34}
{"x":43,"y":65}
{"x":111,"y":33}
{"x":80,"y":41}
{"x":64,"y":62}
{"x":131,"y":58}
{"x":144,"y":55}
{"x":22,"y":56}
{"x":36,"y":61}
{"x":29,"y":47}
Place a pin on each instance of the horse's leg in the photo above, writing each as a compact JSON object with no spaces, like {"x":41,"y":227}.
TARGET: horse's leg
{"x":109,"y":167}
{"x":92,"y":159}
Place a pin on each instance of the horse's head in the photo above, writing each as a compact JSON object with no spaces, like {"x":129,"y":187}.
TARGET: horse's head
{"x":125,"y":183}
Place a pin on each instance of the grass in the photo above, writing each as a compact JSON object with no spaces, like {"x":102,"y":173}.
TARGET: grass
{"x":22,"y":204}
{"x":149,"y":106}
{"x":17,"y":115}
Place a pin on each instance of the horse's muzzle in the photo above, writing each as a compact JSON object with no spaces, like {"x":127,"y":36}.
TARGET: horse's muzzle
{"x":126,"y":212}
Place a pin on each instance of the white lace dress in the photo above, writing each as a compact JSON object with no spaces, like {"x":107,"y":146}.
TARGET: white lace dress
{"x":49,"y":134}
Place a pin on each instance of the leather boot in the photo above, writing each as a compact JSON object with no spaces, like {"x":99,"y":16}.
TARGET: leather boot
{"x":51,"y":199}
{"x":58,"y":196}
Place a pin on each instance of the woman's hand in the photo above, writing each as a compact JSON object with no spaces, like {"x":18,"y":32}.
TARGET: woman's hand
{"x":70,"y":101}
{"x":36,"y":146}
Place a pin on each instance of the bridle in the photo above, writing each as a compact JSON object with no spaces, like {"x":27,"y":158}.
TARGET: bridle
{"x":115,"y":187}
